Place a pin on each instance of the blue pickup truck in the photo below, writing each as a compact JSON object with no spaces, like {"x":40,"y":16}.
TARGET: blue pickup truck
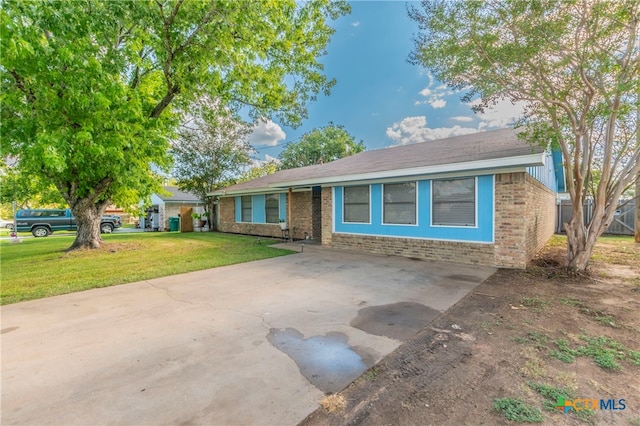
{"x":42,"y":222}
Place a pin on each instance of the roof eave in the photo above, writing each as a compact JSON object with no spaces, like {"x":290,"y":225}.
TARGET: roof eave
{"x":536,"y":159}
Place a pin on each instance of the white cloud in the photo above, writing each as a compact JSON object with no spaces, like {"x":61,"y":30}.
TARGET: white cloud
{"x":435,"y":95}
{"x":501,"y":115}
{"x":266,"y":133}
{"x":463,"y":118}
{"x":414,"y":129}
{"x":355,"y":24}
{"x":437,"y":103}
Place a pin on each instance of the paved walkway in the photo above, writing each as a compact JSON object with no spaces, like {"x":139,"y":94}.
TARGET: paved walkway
{"x":255,"y":343}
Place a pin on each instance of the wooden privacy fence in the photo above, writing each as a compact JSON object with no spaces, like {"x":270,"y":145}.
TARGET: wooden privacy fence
{"x":622,"y":224}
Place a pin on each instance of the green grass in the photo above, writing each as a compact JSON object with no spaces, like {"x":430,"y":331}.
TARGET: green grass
{"x":606,"y":320}
{"x":371,"y":375}
{"x":568,"y":301}
{"x":551,"y":394}
{"x":516,"y":410}
{"x":605,"y":352}
{"x":537,"y":339}
{"x":39,"y":267}
{"x":535,"y":303}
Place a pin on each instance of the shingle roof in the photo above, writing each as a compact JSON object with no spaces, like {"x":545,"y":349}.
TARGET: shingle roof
{"x":483,"y":146}
{"x":178,"y":196}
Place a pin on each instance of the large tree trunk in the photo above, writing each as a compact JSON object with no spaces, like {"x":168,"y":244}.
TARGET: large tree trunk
{"x":87,"y":210}
{"x":88,"y":217}
{"x":581,"y":237}
{"x":578,"y":247}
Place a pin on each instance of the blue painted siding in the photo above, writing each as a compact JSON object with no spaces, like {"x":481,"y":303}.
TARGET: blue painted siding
{"x":482,"y":232}
{"x":546,"y":174}
{"x":238,"y":209}
{"x":259,"y":214}
{"x":557,"y":165}
{"x":258,"y":208}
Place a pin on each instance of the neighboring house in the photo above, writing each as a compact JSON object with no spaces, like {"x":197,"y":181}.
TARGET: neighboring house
{"x":487,"y":198}
{"x":168,"y":205}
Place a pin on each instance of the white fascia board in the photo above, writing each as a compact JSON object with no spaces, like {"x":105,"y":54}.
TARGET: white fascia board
{"x":448,"y":175}
{"x":256,"y":191}
{"x":468,"y":166}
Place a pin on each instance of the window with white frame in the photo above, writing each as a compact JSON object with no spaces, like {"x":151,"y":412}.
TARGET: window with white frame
{"x":454,"y":202}
{"x":399,"y":203}
{"x":245,"y":202}
{"x":272,"y":208}
{"x":356,"y":204}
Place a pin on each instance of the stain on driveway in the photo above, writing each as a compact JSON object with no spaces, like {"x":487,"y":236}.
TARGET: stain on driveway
{"x":328,"y":362}
{"x":398,"y":320}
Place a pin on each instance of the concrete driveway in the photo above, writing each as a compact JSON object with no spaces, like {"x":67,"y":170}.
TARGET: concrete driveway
{"x":255,"y":343}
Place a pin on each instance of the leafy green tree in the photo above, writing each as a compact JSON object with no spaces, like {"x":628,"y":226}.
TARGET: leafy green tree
{"x":93,"y":90}
{"x":320,"y":146}
{"x":575,"y":64}
{"x":210,"y":151}
{"x":27,"y":192}
{"x":260,"y":170}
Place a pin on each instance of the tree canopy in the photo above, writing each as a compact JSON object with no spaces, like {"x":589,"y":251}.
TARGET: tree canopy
{"x":259,"y":170}
{"x":211,"y":149}
{"x":320,"y":145}
{"x":93,"y":90}
{"x":573,"y":63}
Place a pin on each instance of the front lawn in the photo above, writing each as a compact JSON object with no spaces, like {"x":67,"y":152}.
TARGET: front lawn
{"x":39,"y":267}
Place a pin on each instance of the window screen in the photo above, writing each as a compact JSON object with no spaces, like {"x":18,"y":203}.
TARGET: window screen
{"x":356,"y":204}
{"x":454,"y":202}
{"x":272,"y":208}
{"x":246,"y":208}
{"x":400,"y":203}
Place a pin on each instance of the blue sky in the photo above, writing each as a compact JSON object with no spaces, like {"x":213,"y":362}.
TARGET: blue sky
{"x":379,"y":97}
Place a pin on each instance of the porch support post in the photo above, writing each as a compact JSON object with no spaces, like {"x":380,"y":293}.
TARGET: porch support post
{"x":289,"y":218}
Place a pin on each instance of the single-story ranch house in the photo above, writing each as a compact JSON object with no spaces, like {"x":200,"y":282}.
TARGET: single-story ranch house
{"x":487,"y":198}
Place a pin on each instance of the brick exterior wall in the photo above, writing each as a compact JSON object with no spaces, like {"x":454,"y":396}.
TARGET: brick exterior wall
{"x":300,"y":223}
{"x":525,"y":218}
{"x":542,"y":211}
{"x":301,"y":210}
{"x":447,"y":251}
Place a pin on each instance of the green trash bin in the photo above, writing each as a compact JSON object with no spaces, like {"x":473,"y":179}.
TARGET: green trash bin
{"x":174,"y":224}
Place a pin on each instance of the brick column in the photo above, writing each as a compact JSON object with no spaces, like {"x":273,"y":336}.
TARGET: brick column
{"x":510,"y":249}
{"x":327,"y":216}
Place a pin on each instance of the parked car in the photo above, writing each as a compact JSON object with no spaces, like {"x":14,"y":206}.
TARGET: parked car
{"x":6,"y":224}
{"x":42,"y":222}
